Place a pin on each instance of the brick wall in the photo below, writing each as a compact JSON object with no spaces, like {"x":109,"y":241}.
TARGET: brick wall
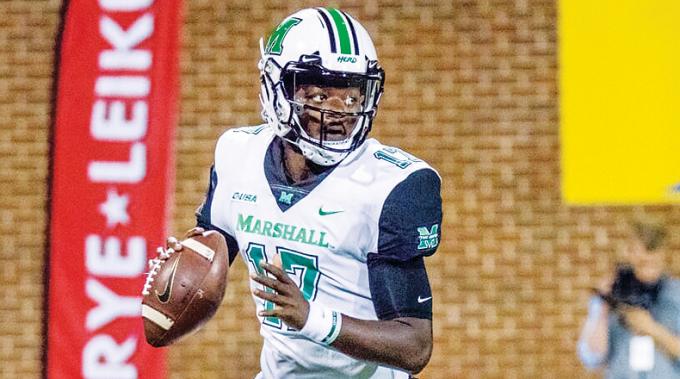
{"x":471,"y":88}
{"x":26,"y":38}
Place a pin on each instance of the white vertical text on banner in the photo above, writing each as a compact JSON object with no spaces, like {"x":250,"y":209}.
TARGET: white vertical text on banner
{"x":112,"y":182}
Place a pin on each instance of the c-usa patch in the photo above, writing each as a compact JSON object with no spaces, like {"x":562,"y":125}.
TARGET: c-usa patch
{"x":244,"y":197}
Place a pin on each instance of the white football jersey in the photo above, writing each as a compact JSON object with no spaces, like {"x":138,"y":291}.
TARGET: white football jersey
{"x":323,"y":238}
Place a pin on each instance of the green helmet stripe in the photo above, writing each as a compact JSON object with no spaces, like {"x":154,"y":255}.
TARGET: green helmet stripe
{"x":354,"y":33}
{"x":343,"y":33}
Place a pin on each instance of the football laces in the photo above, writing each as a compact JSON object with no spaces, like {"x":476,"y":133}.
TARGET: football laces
{"x":154,"y":266}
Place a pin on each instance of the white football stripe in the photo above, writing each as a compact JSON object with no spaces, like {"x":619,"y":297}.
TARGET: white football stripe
{"x":156,"y":317}
{"x":200,"y":248}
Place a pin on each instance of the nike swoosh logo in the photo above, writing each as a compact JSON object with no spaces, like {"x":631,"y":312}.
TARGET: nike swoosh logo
{"x":423,"y":299}
{"x":326,"y":213}
{"x":165,"y":296}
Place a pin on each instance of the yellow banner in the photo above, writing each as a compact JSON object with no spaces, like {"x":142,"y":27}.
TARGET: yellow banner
{"x":620,"y":101}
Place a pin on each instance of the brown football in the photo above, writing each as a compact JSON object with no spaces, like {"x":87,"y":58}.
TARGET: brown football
{"x":184,"y":291}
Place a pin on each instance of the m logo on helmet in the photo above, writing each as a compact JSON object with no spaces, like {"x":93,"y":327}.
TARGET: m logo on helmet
{"x":275,"y":41}
{"x":346,"y":59}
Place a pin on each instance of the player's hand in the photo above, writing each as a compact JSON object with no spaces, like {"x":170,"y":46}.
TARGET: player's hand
{"x":193,"y":232}
{"x":638,"y":320}
{"x":172,"y":244}
{"x":291,"y":307}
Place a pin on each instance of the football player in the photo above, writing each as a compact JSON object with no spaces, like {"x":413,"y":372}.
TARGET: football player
{"x":332,"y":226}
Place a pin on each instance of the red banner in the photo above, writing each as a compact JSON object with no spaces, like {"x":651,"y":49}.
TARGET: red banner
{"x":112,"y":182}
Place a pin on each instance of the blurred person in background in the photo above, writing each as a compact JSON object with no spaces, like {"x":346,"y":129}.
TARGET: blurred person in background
{"x":633,"y":325}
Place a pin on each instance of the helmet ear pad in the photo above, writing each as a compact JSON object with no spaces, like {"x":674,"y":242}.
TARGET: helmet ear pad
{"x":283,"y":107}
{"x":276,"y":109}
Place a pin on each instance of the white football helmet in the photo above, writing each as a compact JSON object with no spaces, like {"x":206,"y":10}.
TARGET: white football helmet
{"x":325,"y":47}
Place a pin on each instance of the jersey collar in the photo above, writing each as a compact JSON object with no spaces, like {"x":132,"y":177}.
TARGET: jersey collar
{"x":286,"y":193}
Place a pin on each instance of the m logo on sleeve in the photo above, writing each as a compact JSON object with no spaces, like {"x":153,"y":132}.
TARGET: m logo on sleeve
{"x":429,"y":238}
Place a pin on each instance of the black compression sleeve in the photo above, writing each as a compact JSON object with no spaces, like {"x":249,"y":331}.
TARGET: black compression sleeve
{"x":399,"y":288}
